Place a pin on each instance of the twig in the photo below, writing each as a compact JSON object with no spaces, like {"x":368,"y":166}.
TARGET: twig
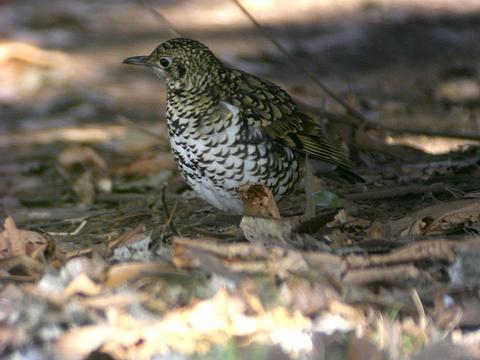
{"x":160,"y":17}
{"x":170,"y":215}
{"x":422,"y":318}
{"x":393,"y":274}
{"x":431,"y":250}
{"x":349,"y":120}
{"x":426,"y":132}
{"x":20,"y":278}
{"x":397,"y":191}
{"x":72,"y":233}
{"x":127,"y":122}
{"x":301,"y":67}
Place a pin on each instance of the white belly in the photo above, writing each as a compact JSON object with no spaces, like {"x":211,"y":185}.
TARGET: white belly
{"x":210,"y":169}
{"x":215,"y":161}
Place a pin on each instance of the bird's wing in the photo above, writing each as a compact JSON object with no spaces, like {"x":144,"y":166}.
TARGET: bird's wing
{"x":265,"y":105}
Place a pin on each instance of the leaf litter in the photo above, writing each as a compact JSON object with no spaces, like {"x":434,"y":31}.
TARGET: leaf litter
{"x":110,"y":254}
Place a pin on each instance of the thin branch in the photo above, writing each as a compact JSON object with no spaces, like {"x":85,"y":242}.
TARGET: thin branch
{"x":426,"y":132}
{"x":127,"y":122}
{"x":349,"y":120}
{"x":157,"y":14}
{"x":403,"y":190}
{"x":170,"y":215}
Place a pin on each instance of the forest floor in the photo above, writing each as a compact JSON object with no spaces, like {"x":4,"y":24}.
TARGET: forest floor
{"x":106,"y":253}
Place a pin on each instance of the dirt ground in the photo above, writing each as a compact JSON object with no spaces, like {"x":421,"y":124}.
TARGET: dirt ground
{"x":106,"y":252}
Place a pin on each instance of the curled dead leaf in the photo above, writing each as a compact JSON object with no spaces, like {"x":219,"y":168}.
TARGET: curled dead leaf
{"x":16,"y":242}
{"x":258,"y":200}
{"x":444,"y":217}
{"x":74,"y":155}
{"x":150,"y":163}
{"x":121,"y":273}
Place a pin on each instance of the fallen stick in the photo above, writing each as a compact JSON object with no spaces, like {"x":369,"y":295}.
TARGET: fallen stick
{"x":392,"y":274}
{"x":402,"y":190}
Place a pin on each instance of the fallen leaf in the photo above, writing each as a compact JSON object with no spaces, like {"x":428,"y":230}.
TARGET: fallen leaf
{"x":443,"y":217}
{"x":327,"y":199}
{"x":151,"y":163}
{"x":134,"y":245}
{"x":16,"y":242}
{"x":81,"y":285}
{"x":27,"y":68}
{"x":75,"y":155}
{"x":258,"y":200}
{"x":121,"y":273}
{"x":130,"y":237}
{"x":79,"y":342}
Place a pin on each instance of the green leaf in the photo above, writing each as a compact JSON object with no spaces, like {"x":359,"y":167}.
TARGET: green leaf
{"x":327,"y":199}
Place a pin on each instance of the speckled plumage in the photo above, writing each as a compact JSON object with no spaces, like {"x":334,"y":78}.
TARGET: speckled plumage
{"x":228,"y":128}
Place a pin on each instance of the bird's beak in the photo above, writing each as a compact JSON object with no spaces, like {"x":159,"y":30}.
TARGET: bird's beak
{"x":137,"y":60}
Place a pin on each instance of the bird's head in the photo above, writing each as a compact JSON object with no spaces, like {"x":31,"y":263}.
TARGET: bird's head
{"x":182,"y":63}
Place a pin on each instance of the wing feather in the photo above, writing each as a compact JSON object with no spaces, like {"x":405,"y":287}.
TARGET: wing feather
{"x":267,"y":106}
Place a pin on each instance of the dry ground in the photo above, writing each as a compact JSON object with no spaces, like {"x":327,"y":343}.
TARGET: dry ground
{"x":104,"y":249}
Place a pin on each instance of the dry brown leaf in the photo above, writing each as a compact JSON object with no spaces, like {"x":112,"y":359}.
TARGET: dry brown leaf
{"x":134,"y":245}
{"x":441,"y":218}
{"x":130,"y":237}
{"x":75,"y":155}
{"x":122,"y":300}
{"x":79,"y":342}
{"x":182,"y":259}
{"x":151,"y":163}
{"x":432,"y":250}
{"x":250,"y":258}
{"x":261,"y":223}
{"x":27,"y":68}
{"x":397,"y":274}
{"x":193,"y":329}
{"x":28,"y":264}
{"x":83,"y":285}
{"x":258,"y":200}
{"x":238,"y":258}
{"x":121,"y":273}
{"x":16,"y":242}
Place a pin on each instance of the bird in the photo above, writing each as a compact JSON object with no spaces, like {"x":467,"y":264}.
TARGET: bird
{"x":229,"y":128}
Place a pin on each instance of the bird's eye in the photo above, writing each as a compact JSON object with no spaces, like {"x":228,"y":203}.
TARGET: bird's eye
{"x":164,"y":62}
